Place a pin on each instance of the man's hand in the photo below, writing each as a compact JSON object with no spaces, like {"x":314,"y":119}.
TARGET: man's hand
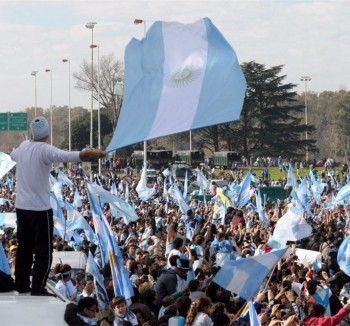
{"x":91,"y":153}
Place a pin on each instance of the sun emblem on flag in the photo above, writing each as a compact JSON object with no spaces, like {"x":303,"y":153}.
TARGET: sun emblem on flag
{"x":185,"y":76}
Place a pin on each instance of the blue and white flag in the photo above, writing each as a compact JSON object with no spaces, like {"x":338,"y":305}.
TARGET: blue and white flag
{"x":291,"y":226}
{"x":185,"y":185}
{"x":64,"y":179}
{"x":343,"y":257}
{"x":6,"y":164}
{"x":76,"y":221}
{"x":120,"y":277}
{"x":59,"y":222}
{"x":142,"y":190}
{"x":175,"y":192}
{"x":77,"y":201}
{"x":253,"y":316}
{"x":343,"y":193}
{"x":244,"y":276}
{"x":202,"y":181}
{"x":114,"y":190}
{"x":116,"y":203}
{"x":180,"y":77}
{"x":8,"y":220}
{"x":101,"y":293}
{"x":260,"y":208}
{"x":244,"y":191}
{"x":291,"y":180}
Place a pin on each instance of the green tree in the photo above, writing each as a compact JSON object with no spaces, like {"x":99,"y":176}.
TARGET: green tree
{"x":272,"y":117}
{"x":80,"y":130}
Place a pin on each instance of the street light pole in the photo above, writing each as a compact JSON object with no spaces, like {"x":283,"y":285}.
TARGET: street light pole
{"x":69,"y":108}
{"x":306,"y":79}
{"x":51,"y":134}
{"x":99,"y":105}
{"x":91,"y":26}
{"x":138,"y":21}
{"x":33,"y":73}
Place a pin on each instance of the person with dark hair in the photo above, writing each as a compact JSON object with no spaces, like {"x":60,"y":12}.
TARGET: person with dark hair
{"x":318,"y":294}
{"x":34,"y":159}
{"x":64,"y":283}
{"x":183,"y":305}
{"x":122,"y":313}
{"x":172,"y":279}
{"x":314,"y":313}
{"x":83,"y":313}
{"x":216,"y":293}
{"x":195,"y":291}
{"x":176,"y":251}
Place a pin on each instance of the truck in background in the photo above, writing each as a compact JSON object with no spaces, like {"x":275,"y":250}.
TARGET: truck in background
{"x":227,"y":159}
{"x":155,"y":158}
{"x":193,"y":158}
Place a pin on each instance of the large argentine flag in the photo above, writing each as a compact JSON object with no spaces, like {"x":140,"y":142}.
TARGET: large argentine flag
{"x":179,"y":77}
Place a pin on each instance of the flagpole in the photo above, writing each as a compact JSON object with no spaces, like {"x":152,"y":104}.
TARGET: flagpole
{"x":137,"y":22}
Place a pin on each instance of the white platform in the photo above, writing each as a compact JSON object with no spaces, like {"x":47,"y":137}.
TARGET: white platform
{"x":24,"y":309}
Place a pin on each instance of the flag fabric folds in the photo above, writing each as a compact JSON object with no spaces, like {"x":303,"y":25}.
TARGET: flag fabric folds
{"x":64,"y":179}
{"x":180,"y":77}
{"x":76,"y":221}
{"x":101,"y":293}
{"x":343,"y":257}
{"x":175,"y":192}
{"x":6,"y":164}
{"x":343,"y":193}
{"x":202,"y":181}
{"x":244,"y":276}
{"x":124,"y":209}
{"x":291,"y":226}
{"x":120,"y":278}
{"x":244,"y":192}
{"x":291,"y":181}
{"x":253,"y":316}
{"x":143,"y":191}
{"x":260,"y":208}
{"x":77,"y":201}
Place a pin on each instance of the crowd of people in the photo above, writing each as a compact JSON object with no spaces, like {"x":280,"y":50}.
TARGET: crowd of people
{"x":172,"y":257}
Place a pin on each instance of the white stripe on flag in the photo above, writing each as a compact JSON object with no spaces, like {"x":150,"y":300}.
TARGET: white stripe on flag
{"x":184,"y":67}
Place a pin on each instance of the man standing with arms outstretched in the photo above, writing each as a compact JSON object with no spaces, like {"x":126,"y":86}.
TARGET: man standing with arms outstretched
{"x":34,"y":160}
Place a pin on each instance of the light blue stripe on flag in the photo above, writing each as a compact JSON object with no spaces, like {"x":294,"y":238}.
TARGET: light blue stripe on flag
{"x":343,"y":257}
{"x":180,"y":77}
{"x":244,"y":276}
{"x":4,"y":264}
{"x":253,"y":317}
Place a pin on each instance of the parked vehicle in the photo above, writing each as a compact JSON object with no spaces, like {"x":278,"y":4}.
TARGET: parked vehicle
{"x":227,"y":159}
{"x":193,"y":158}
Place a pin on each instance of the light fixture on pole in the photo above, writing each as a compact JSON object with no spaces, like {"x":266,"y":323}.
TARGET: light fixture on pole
{"x":141,"y":21}
{"x":138,"y":21}
{"x":99,"y":106}
{"x":51,"y":134}
{"x":33,"y":73}
{"x":91,"y":26}
{"x":306,"y":79}
{"x":69,"y":108}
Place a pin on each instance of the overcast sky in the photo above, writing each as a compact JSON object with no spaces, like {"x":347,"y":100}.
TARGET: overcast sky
{"x":309,"y":38}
